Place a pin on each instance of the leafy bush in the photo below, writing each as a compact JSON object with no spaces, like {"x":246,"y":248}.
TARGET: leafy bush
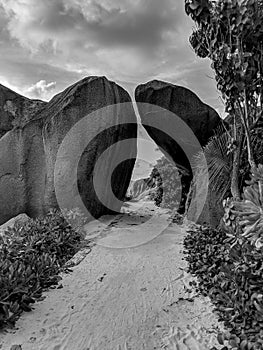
{"x":168,"y":191}
{"x":31,"y":257}
{"x":233,"y":279}
{"x":244,"y":219}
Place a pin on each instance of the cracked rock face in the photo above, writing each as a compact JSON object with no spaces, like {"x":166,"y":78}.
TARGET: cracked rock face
{"x":28,"y":152}
{"x":199,"y":117}
{"x":16,"y":110}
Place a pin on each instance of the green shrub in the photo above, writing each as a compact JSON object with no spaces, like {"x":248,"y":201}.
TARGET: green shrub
{"x":233,"y":279}
{"x":31,"y":257}
{"x":244,"y":219}
{"x":168,"y":190}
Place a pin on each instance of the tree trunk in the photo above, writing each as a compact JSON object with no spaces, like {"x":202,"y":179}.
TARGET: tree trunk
{"x":244,"y":112}
{"x":235,"y":175}
{"x":251,"y":159}
{"x":236,"y":163}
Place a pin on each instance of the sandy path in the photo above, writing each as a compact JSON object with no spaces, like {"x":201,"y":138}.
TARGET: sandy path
{"x":122,"y":299}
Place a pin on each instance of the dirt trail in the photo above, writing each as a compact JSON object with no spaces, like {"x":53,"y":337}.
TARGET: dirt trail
{"x":123,"y":299}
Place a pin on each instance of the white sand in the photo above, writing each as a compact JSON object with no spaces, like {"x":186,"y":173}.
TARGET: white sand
{"x":122,"y":299}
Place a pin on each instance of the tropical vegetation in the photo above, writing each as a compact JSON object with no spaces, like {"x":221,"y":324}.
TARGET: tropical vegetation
{"x":230,"y":34}
{"x":168,"y":184}
{"x":228,"y":261}
{"x":31,"y":257}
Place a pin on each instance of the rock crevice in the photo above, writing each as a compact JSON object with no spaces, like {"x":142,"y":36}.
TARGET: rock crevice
{"x":198,"y":117}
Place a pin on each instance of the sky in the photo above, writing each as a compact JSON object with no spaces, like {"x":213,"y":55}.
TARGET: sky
{"x":47,"y":45}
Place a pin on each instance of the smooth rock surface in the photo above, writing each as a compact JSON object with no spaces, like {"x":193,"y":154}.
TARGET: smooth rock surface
{"x":199,"y":118}
{"x":28,"y":153}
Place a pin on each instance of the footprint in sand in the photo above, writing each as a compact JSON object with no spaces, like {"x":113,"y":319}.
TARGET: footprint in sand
{"x":187,"y":339}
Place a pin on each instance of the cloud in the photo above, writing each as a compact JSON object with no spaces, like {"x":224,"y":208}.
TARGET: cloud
{"x":55,"y":24}
{"x":125,"y":39}
{"x":142,"y":25}
{"x":130,"y":41}
{"x":101,"y":37}
{"x":41,"y":89}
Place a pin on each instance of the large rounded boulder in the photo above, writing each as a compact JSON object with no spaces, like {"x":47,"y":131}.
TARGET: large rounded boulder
{"x":198,"y":117}
{"x":31,"y":172}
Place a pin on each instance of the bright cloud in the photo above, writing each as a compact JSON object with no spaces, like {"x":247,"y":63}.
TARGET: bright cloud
{"x":41,"y":90}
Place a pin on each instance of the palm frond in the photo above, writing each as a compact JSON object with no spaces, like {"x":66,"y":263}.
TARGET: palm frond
{"x":219,"y":164}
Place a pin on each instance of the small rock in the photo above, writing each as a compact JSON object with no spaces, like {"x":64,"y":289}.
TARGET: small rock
{"x":20,"y":219}
{"x":16,"y":347}
{"x":102,"y":277}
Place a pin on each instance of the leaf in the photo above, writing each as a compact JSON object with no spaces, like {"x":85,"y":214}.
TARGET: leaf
{"x":243,"y":345}
{"x":258,"y":307}
{"x":194,"y":5}
{"x":219,"y":164}
{"x":221,"y":338}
